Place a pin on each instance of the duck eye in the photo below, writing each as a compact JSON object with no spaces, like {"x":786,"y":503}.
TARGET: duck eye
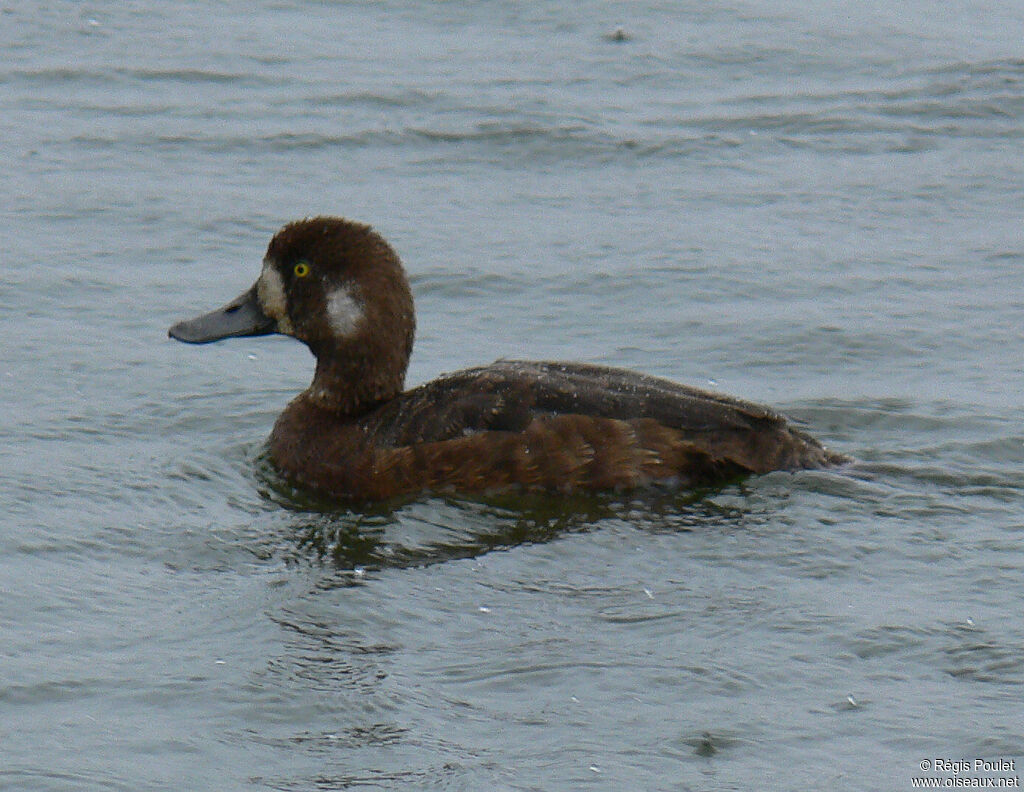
{"x":301,"y":269}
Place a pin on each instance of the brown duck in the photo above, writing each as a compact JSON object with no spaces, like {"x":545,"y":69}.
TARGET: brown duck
{"x":355,"y":432}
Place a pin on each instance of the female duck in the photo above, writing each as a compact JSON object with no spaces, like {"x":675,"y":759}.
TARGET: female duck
{"x":355,"y":432}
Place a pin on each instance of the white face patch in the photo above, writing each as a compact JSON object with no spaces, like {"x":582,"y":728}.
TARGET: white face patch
{"x":344,"y":313}
{"x":270,"y":291}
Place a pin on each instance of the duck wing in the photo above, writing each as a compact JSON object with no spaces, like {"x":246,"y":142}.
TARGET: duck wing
{"x":511,"y":395}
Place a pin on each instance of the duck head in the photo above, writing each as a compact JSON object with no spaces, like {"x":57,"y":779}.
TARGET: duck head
{"x":338,"y":287}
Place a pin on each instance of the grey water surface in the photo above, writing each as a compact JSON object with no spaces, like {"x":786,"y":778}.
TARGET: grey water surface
{"x":816,"y":205}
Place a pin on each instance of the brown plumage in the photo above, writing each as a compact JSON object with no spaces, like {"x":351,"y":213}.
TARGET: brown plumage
{"x":340,"y":288}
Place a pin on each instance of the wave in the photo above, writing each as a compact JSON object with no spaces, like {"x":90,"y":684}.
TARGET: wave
{"x":908,"y":112}
{"x":63,"y":75}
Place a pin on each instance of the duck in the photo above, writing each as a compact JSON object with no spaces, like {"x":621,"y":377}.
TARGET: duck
{"x":356,"y":433}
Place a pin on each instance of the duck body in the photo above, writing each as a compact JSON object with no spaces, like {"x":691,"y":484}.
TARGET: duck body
{"x":540,"y":426}
{"x":356,"y":433}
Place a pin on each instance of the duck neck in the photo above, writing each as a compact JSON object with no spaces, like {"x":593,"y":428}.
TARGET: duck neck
{"x":351,"y":386}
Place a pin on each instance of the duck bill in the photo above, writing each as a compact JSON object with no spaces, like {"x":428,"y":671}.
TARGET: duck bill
{"x":243,"y":316}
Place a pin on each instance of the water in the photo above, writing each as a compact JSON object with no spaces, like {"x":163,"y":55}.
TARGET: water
{"x":811,"y":205}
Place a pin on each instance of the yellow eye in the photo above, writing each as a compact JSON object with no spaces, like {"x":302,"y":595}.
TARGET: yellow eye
{"x":301,"y":269}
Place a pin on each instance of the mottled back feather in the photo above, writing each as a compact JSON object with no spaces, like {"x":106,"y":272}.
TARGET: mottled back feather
{"x":509,"y":395}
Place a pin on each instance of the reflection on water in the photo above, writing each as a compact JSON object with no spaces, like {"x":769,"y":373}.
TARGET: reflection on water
{"x":424,"y":530}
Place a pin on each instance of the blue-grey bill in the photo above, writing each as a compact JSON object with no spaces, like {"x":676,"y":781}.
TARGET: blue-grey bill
{"x":240,"y":317}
